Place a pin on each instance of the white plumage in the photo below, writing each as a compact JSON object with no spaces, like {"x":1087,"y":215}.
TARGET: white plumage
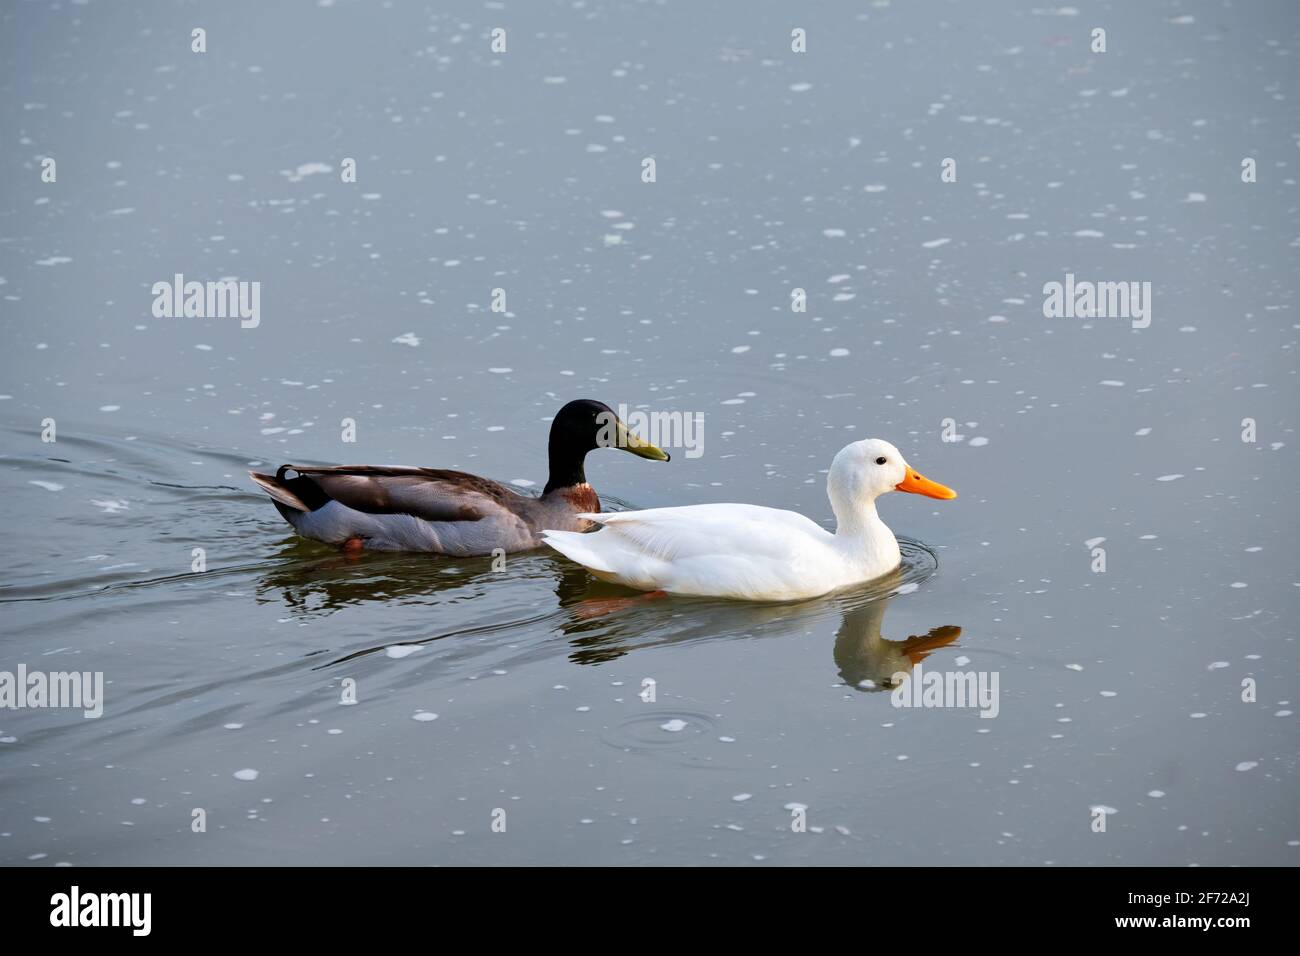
{"x":752,"y":553}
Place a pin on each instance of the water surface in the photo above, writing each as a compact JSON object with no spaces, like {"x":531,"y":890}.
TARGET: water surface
{"x":1120,"y":689}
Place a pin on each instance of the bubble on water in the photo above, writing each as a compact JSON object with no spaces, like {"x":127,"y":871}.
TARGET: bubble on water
{"x":247,"y":773}
{"x":660,"y":730}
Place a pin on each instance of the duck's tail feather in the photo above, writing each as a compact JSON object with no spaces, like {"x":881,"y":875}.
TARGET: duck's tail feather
{"x":576,"y":546}
{"x":278,"y":488}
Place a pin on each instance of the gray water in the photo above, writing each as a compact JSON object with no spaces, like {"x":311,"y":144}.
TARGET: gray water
{"x":1120,"y":689}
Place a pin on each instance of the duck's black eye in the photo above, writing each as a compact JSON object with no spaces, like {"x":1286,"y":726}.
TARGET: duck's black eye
{"x":880,"y":460}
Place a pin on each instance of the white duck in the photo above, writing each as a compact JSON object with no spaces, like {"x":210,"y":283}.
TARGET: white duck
{"x":752,"y":553}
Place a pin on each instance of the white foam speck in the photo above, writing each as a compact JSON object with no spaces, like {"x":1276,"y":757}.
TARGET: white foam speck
{"x":306,"y":169}
{"x":246,"y":774}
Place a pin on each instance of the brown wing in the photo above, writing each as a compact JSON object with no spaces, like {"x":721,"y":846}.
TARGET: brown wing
{"x":430,"y":493}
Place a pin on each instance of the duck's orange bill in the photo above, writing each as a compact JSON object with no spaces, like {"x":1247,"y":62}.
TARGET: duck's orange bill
{"x":920,"y":485}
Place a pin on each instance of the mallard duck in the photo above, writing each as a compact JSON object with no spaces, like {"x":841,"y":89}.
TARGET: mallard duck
{"x":373,"y":507}
{"x":751,"y":553}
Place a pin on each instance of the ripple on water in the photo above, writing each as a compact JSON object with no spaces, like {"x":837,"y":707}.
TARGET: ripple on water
{"x":918,"y":564}
{"x":658,"y":729}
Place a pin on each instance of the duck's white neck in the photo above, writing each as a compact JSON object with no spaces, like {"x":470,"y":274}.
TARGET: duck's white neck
{"x":868,"y":547}
{"x":856,"y":518}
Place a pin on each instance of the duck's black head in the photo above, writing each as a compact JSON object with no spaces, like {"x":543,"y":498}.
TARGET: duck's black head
{"x":582,"y":426}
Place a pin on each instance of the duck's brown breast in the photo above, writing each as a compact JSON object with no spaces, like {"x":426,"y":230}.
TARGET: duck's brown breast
{"x":582,"y":498}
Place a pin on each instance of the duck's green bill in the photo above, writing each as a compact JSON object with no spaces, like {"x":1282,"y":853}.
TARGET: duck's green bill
{"x":629,"y":441}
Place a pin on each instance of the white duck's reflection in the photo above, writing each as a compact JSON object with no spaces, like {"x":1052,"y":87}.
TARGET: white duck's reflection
{"x":604,"y":624}
{"x":867,"y":661}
